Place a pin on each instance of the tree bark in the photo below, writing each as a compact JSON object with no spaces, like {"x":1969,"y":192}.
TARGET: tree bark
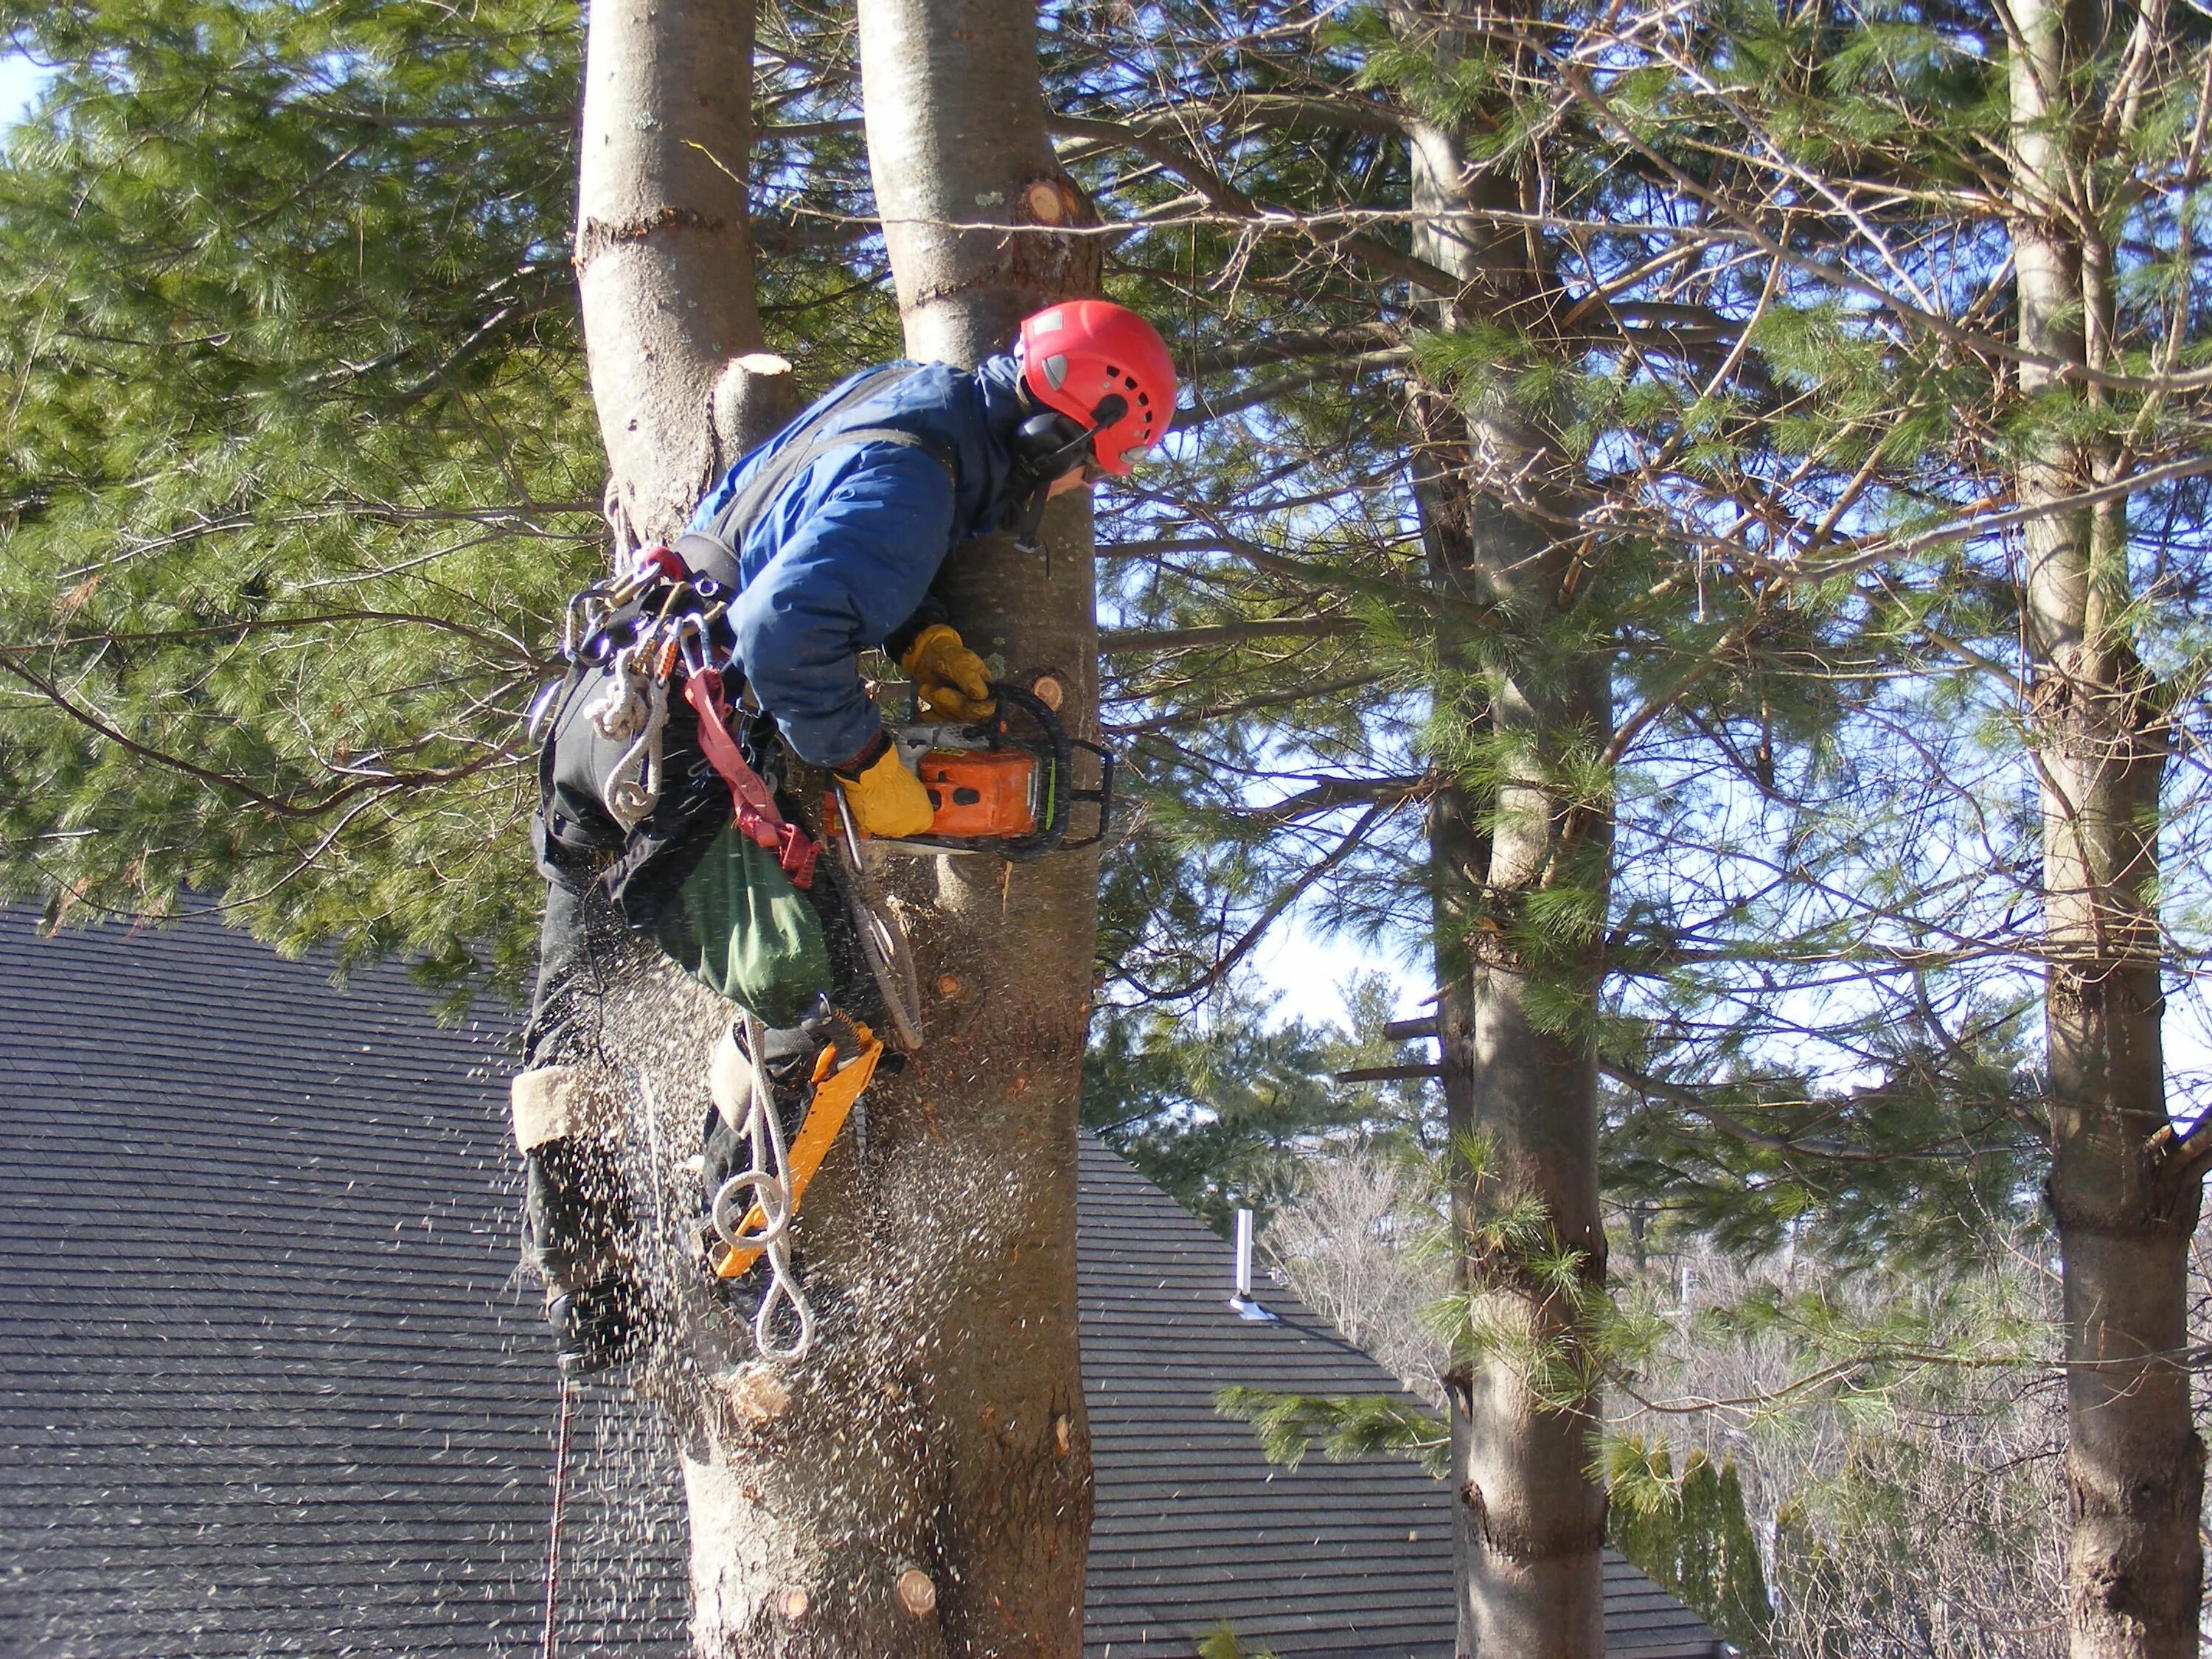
{"x":921,"y":1484}
{"x":664,"y":267}
{"x":810,"y":1532}
{"x":1517,"y":1079}
{"x":956,"y":131}
{"x":2124,"y":1207}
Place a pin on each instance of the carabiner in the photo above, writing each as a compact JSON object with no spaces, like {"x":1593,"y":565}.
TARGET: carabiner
{"x":692,"y":643}
{"x":576,"y":635}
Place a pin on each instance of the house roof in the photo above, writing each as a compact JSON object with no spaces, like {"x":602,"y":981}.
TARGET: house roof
{"x":270,"y":1383}
{"x":1194,"y":1526}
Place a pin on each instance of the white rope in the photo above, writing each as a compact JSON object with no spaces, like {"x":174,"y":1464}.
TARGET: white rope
{"x":629,"y":800}
{"x":622,"y":709}
{"x":766,"y":1186}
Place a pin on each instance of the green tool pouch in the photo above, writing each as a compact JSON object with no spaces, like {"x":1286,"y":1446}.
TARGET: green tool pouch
{"x":739,"y":928}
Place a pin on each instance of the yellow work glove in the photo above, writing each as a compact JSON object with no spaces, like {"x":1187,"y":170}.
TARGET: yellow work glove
{"x":950,"y":680}
{"x":886,"y":798}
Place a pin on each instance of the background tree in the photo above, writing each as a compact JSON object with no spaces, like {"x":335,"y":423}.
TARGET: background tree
{"x":296,"y":464}
{"x":1784,"y":240}
{"x":2123,"y":1189}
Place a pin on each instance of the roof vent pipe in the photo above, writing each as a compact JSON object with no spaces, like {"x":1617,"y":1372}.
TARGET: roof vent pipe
{"x":1244,"y":1306}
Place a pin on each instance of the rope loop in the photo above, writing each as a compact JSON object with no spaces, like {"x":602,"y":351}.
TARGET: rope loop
{"x":766,"y":1187}
{"x":631,"y":796}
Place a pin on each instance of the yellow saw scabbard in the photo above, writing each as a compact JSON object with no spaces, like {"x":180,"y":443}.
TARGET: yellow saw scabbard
{"x":836,"y":1090}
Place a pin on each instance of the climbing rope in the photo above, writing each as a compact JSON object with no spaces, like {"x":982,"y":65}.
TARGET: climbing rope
{"x":563,"y":1413}
{"x":752,"y":1211}
{"x":634,"y":785}
{"x":620,"y":713}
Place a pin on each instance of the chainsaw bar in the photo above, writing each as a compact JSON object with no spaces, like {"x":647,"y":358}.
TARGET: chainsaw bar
{"x":883,"y":935}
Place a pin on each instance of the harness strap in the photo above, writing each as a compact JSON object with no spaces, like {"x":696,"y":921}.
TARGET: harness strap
{"x":757,"y":817}
{"x":714,"y":550}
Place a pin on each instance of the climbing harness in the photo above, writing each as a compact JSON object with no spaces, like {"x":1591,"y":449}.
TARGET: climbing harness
{"x":641,"y":648}
{"x":752,"y":1210}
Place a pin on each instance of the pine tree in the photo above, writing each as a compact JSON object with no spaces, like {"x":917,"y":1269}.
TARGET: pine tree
{"x":297,"y":467}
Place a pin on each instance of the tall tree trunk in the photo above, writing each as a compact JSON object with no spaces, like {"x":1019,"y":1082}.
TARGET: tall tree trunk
{"x":2123,"y":1205}
{"x":956,"y":134}
{"x":809,"y":1525}
{"x":663,"y":264}
{"x":920,"y":1485}
{"x":1519,"y":1075}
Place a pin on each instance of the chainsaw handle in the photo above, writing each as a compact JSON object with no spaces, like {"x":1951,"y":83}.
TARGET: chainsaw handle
{"x":1049,"y":836}
{"x":1102,"y":796}
{"x":1053,"y":835}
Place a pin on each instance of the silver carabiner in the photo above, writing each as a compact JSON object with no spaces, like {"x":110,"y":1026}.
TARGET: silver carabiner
{"x":692,"y":649}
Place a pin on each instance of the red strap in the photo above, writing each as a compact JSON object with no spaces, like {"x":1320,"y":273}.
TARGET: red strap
{"x":757,"y":816}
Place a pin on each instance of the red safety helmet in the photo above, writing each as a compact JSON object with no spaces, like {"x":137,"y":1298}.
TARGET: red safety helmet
{"x":1078,"y":356}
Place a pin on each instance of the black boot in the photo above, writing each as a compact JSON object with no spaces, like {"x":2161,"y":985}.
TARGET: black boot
{"x":579,"y":1223}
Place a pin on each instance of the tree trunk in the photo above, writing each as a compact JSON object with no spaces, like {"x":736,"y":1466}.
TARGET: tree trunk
{"x":987,"y":1116}
{"x":921,"y":1484}
{"x":2123,"y":1207}
{"x":1519,"y":1076}
{"x":664,"y":265}
{"x":809,"y":1528}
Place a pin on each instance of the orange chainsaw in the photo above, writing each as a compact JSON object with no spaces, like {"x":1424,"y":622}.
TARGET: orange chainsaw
{"x":1004,"y":785}
{"x":997,"y":787}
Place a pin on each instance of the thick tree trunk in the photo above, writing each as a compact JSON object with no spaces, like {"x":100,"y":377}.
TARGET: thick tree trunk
{"x":664,"y":267}
{"x":1530,"y":1521}
{"x":2123,"y":1209}
{"x":956,"y":134}
{"x":810,"y":1527}
{"x":921,"y":1484}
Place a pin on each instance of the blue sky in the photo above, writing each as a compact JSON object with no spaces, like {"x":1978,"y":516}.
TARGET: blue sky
{"x":19,"y":81}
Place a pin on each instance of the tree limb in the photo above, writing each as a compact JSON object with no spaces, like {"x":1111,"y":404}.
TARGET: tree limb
{"x":1138,"y":641}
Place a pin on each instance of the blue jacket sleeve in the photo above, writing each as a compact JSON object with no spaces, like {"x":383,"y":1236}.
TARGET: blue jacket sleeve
{"x":857,"y":550}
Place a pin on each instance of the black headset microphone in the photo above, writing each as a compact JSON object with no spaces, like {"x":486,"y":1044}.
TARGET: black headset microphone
{"x":1044,"y":448}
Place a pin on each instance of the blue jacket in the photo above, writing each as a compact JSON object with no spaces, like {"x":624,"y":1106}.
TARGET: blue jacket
{"x":845,"y":553}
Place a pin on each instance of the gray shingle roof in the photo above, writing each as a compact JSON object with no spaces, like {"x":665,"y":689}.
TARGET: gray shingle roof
{"x":260,"y":1398}
{"x":1326,"y":1561}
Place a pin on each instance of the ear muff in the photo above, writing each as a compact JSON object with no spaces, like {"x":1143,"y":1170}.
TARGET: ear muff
{"x":1042,"y":437}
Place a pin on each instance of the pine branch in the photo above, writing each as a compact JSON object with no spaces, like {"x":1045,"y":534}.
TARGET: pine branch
{"x":1834,"y":1151}
{"x":1289,"y":345}
{"x":1288,"y":896}
{"x":1344,"y":1426}
{"x":282,"y":806}
{"x":1128,"y":642}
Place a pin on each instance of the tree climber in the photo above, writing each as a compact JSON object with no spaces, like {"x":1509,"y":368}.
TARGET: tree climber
{"x":819,"y":544}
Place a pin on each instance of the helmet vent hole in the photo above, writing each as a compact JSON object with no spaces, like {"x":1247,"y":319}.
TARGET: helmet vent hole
{"x":1112,"y":371}
{"x":1130,"y":381}
{"x":1144,"y":401}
